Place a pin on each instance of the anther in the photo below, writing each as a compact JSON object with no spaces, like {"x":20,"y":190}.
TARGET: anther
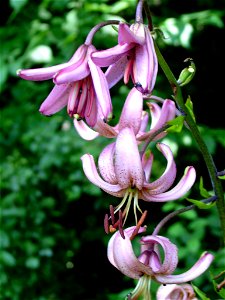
{"x":140,"y":222}
{"x":111,"y":209}
{"x":106,"y":223}
{"x":120,"y":225}
{"x":137,"y":85}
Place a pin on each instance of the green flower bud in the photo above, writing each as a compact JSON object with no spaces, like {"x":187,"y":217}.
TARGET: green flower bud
{"x":187,"y":74}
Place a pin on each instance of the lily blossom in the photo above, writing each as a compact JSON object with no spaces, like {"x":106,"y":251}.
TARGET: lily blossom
{"x":176,"y":292}
{"x":132,"y":116}
{"x":79,"y":84}
{"x":134,"y":57}
{"x":158,"y":259}
{"x":124,"y":173}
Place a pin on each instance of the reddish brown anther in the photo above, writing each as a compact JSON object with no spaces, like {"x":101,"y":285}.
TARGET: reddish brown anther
{"x":111,"y":228}
{"x":111,"y":209}
{"x":106,"y":223}
{"x":120,"y":225}
{"x":139,"y":223}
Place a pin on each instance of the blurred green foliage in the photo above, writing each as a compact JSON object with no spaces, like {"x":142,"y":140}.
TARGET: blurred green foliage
{"x":53,"y":244}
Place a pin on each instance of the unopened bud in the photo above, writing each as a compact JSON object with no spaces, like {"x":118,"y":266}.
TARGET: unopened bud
{"x":187,"y":74}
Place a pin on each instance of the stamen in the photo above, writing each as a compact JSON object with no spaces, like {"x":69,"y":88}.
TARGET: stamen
{"x":140,"y":222}
{"x":122,"y":202}
{"x":106,"y":223}
{"x":121,"y":224}
{"x":112,"y":214}
{"x":127,"y":208}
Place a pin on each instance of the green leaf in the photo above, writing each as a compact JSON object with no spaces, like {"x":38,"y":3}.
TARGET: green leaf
{"x":201,"y":294}
{"x":176,"y":124}
{"x":189,"y":105}
{"x":222,"y":177}
{"x":203,"y":192}
{"x":200,"y":204}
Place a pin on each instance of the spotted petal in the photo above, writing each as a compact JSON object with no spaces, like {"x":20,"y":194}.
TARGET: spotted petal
{"x":91,"y":172}
{"x":177,"y":192}
{"x":121,"y":255}
{"x":128,"y":167}
{"x":199,"y":267}
{"x":167,"y":178}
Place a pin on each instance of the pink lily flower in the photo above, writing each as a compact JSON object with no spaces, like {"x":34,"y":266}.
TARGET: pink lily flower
{"x":151,"y":264}
{"x":123,"y":173}
{"x":132,"y":116}
{"x":79,"y":84}
{"x":176,"y":292}
{"x":134,"y":57}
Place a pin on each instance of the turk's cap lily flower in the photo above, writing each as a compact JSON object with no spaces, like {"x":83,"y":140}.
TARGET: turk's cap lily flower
{"x":150,"y":262}
{"x":79,"y":84}
{"x":176,"y":292}
{"x":122,"y":172}
{"x":134,"y":57}
{"x":132,"y":116}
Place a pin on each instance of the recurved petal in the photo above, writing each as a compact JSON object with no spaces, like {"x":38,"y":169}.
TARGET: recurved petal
{"x":134,"y":34}
{"x":110,"y":56}
{"x":183,"y":186}
{"x":105,"y":129}
{"x":153,"y":61}
{"x":121,"y":255}
{"x":131,"y":115}
{"x":56,"y":100}
{"x":170,"y":257}
{"x":128,"y":167}
{"x":91,"y":172}
{"x":75,"y":72}
{"x":199,"y":267}
{"x":167,"y":178}
{"x":168,"y":112}
{"x":147,"y":160}
{"x":106,"y":164}
{"x":101,"y":89}
{"x":173,"y":291}
{"x":146,"y":65}
{"x":39,"y":74}
{"x":85,"y":131}
{"x":115,"y":71}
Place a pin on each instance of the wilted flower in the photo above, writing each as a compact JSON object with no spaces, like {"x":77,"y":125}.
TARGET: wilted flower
{"x":158,"y":259}
{"x":134,"y":117}
{"x":124,"y":173}
{"x":79,"y":84}
{"x":176,"y":292}
{"x":134,"y":57}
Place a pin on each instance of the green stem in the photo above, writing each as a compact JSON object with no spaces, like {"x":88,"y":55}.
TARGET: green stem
{"x":216,"y":182}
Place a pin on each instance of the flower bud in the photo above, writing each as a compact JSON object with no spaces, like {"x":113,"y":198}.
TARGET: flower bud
{"x":187,"y":74}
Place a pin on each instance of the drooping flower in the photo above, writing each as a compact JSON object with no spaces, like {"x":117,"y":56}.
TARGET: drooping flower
{"x":124,"y":173}
{"x":79,"y":84}
{"x":176,"y":292}
{"x":132,"y":116}
{"x":134,"y":57}
{"x":157,"y":261}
